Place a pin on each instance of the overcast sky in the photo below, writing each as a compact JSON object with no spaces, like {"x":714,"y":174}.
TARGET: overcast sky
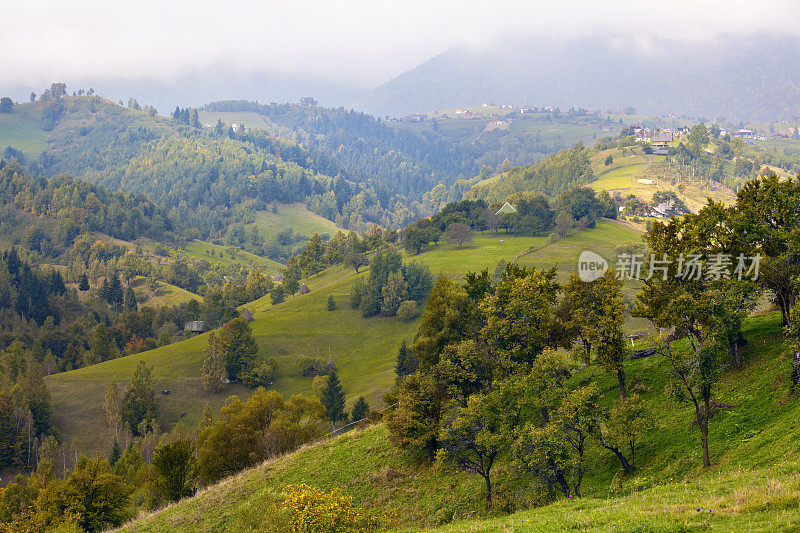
{"x":362,"y":43}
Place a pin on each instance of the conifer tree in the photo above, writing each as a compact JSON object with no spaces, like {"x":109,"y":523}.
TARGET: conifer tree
{"x":333,"y":399}
{"x":116,"y":453}
{"x":360,"y":409}
{"x":129,"y":301}
{"x":84,"y":283}
{"x":406,"y":362}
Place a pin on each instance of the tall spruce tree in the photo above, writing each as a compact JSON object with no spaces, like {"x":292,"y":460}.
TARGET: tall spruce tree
{"x":333,"y":399}
{"x":129,"y":301}
{"x":406,"y":362}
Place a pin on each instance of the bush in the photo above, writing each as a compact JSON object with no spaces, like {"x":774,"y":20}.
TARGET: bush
{"x":262,"y":375}
{"x":407,"y":311}
{"x":310,"y":366}
{"x":315,"y":511}
{"x":331,"y":303}
{"x":161,"y":250}
{"x":318,"y":384}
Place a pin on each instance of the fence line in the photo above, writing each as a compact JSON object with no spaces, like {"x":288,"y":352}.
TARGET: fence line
{"x":341,"y":430}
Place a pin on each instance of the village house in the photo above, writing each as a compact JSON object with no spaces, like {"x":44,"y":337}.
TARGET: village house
{"x":194,"y":326}
{"x":663,"y":210}
{"x":663,"y":140}
{"x":744,"y":133}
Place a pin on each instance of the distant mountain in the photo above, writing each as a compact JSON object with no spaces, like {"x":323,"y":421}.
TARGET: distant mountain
{"x":751,"y":77}
{"x":194,"y":87}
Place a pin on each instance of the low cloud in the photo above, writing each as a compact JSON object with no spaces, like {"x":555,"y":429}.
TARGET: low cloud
{"x":355,"y":42}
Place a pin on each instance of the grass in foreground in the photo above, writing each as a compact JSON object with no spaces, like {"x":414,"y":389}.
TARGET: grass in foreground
{"x":752,"y":485}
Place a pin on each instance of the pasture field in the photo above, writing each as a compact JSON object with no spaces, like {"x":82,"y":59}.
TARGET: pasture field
{"x":294,"y":216}
{"x":22,"y":129}
{"x":364,"y":349}
{"x":222,"y":255}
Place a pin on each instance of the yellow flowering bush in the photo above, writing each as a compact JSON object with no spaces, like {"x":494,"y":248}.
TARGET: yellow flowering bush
{"x":312,"y":510}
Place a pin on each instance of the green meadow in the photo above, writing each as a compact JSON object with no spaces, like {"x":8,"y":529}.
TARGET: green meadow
{"x":364,"y":349}
{"x":22,"y":129}
{"x":221,"y":255}
{"x":294,"y":216}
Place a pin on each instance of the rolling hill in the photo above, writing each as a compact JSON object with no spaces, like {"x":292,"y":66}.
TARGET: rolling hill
{"x":364,"y":349}
{"x":752,"y":485}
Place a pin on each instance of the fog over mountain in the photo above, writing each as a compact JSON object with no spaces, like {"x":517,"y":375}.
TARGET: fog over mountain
{"x":754,"y":76}
{"x":736,"y":77}
{"x":195,"y":87}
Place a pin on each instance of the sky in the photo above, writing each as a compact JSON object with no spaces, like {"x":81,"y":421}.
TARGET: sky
{"x":351,"y":42}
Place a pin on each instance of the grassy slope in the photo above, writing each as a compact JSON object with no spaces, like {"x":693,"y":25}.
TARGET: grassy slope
{"x":364,"y":349}
{"x":753,"y":483}
{"x":484,"y":252}
{"x":166,"y":294}
{"x":295,"y":216}
{"x":623,"y":175}
{"x":22,"y":130}
{"x":300,"y":326}
{"x":197,"y":250}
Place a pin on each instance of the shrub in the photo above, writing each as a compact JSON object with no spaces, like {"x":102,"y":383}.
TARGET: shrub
{"x":318,"y":384}
{"x":161,"y":250}
{"x":314,"y":511}
{"x":407,"y":311}
{"x":262,"y":375}
{"x":331,"y":303}
{"x":309,"y":366}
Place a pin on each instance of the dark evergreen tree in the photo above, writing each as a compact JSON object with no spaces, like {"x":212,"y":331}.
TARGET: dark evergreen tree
{"x":406,"y":362}
{"x":360,"y":409}
{"x":129,"y":301}
{"x":57,"y":283}
{"x":84,"y":283}
{"x":115,"y":295}
{"x":116,"y":453}
{"x":333,"y":399}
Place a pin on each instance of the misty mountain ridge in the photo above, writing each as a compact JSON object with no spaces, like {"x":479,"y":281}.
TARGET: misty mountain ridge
{"x":749,"y":77}
{"x":197,"y":86}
